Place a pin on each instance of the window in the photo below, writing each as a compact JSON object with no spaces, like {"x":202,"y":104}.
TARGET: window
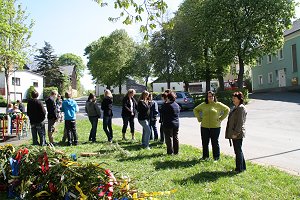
{"x":258,"y":61}
{"x":35,"y":84}
{"x":260,"y":79}
{"x":179,"y":96}
{"x":280,"y":54}
{"x":294,"y":58}
{"x":269,"y":58}
{"x":162,"y":89}
{"x":270,"y":77}
{"x":276,"y":75}
{"x":17,"y":82}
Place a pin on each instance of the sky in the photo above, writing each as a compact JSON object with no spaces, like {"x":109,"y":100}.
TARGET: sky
{"x":71,"y":25}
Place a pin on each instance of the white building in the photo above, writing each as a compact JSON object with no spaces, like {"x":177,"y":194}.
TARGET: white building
{"x":19,"y":83}
{"x":197,"y":87}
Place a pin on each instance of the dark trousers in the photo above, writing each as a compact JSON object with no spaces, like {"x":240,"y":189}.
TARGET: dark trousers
{"x":213,"y":135}
{"x":161,"y":131}
{"x":38,"y":129}
{"x":125,"y":124}
{"x":153,"y":130}
{"x":70,"y":126}
{"x":171,"y":136}
{"x":107,"y":127}
{"x":239,"y":156}
{"x":94,"y":123}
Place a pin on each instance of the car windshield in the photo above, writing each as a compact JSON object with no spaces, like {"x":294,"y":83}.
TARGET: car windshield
{"x":179,"y":95}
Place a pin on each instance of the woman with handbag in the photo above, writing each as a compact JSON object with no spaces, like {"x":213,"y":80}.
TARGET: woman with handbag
{"x":235,"y":129}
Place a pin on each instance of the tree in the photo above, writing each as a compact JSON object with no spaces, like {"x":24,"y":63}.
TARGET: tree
{"x":163,"y":56}
{"x":153,"y":8}
{"x":141,"y":65}
{"x":47,"y":65}
{"x":77,"y":62}
{"x":72,"y":59}
{"x":253,"y":28}
{"x":109,"y":58}
{"x":14,"y":38}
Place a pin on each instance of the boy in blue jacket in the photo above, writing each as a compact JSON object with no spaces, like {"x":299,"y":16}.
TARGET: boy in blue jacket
{"x":70,"y":107}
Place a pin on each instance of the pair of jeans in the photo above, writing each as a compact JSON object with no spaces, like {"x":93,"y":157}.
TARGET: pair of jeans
{"x":172,"y":142}
{"x":239,"y":156}
{"x":94,"y":123}
{"x":127,"y":119}
{"x":213,"y":135}
{"x":38,"y":129}
{"x":107,"y":121}
{"x":162,"y":135}
{"x":146,"y":132}
{"x":154,"y":128}
{"x":70,"y":126}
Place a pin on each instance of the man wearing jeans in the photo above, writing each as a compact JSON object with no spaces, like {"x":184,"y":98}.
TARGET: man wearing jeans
{"x":36,"y":113}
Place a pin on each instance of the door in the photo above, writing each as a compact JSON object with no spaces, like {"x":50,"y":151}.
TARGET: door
{"x":282,"y":78}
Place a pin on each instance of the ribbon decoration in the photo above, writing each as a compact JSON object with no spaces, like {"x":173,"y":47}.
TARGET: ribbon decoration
{"x":43,"y":160}
{"x":14,"y":166}
{"x":3,"y":171}
{"x":21,"y":153}
{"x":82,"y":196}
{"x":42,"y":194}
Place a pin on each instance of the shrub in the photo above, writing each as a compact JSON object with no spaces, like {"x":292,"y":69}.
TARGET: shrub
{"x":226,"y":96}
{"x":28,"y":94}
{"x":47,"y":91}
{"x":3,"y":102}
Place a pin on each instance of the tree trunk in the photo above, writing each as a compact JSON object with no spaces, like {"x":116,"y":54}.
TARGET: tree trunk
{"x":241,"y":73}
{"x":221,"y":83}
{"x":120,"y":88}
{"x":108,"y":87}
{"x":207,"y":70}
{"x":146,"y":82}
{"x":7,"y":86}
{"x":186,"y":86}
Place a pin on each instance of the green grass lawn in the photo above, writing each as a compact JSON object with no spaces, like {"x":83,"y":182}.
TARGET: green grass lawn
{"x":154,"y":170}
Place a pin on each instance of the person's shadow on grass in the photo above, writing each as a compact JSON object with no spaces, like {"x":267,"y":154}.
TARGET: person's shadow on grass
{"x":169,"y":164}
{"x":208,"y":176}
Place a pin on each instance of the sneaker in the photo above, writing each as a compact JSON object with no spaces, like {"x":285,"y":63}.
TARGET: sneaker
{"x":147,"y":148}
{"x":124,"y":138}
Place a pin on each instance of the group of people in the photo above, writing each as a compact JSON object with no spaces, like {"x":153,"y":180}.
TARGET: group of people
{"x":210,"y":114}
{"x":37,"y":114}
{"x":147,"y":110}
{"x":18,"y":107}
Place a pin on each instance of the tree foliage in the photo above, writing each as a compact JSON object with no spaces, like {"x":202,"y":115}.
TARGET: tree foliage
{"x":141,"y":65}
{"x":72,"y":59}
{"x":47,"y":65}
{"x":163,"y":55}
{"x":109,"y":58}
{"x":14,"y":38}
{"x":131,"y":11}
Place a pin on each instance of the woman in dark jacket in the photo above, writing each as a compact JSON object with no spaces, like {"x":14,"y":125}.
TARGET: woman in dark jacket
{"x":235,"y":129}
{"x":143,"y":109}
{"x":128,"y":112}
{"x":170,"y":112}
{"x":93,"y":111}
{"x":106,"y":106}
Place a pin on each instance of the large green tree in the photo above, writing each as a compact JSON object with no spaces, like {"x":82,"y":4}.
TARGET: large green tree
{"x":251,"y":28}
{"x":14,"y":38}
{"x":109,"y":58}
{"x":163,"y":56}
{"x":47,"y":65}
{"x":141,"y":65}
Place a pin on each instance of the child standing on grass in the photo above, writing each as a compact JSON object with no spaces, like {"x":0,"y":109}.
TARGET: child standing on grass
{"x":70,"y":107}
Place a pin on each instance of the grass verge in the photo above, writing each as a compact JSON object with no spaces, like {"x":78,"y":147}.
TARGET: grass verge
{"x":154,"y":170}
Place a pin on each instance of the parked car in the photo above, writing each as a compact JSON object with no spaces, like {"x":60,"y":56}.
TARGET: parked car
{"x":184,"y":100}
